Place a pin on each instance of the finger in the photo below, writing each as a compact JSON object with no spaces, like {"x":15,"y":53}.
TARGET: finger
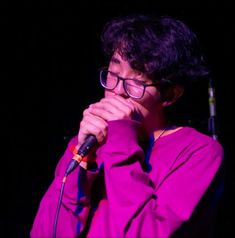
{"x":113,"y":108}
{"x":92,"y":125}
{"x":132,"y":109}
{"x":103,"y":113}
{"x":120,"y":102}
{"x":90,"y":129}
{"x":106,"y":112}
{"x":110,"y":108}
{"x":98,"y":122}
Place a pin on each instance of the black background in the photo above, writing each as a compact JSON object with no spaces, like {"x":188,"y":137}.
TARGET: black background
{"x":50,"y":60}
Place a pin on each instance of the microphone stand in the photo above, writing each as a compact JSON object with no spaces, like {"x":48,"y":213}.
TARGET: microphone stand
{"x":212,"y":109}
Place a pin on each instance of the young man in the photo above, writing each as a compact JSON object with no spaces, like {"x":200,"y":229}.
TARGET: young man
{"x":148,"y":173}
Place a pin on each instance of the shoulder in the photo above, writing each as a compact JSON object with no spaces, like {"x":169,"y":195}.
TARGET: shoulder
{"x":190,"y":143}
{"x":201,"y":145}
{"x":201,"y":140}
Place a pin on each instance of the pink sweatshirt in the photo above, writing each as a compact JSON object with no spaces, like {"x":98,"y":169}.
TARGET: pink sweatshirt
{"x":131,"y":202}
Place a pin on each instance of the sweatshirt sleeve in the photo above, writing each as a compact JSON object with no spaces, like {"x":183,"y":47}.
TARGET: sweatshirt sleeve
{"x":137,"y":207}
{"x":75,"y":202}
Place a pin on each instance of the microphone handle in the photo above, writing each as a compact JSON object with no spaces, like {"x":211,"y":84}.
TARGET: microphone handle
{"x":87,"y":145}
{"x":82,"y":151}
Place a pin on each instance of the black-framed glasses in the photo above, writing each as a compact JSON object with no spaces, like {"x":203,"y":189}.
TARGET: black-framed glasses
{"x":133,"y":87}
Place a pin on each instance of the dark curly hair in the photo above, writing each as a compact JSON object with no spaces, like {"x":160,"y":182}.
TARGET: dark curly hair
{"x":168,"y":51}
{"x":162,"y":47}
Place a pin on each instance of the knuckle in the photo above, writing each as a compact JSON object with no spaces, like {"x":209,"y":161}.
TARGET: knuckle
{"x":85,"y":112}
{"x":105,"y":99}
{"x":91,"y":106}
{"x":82,"y":123}
{"x":104,"y":128}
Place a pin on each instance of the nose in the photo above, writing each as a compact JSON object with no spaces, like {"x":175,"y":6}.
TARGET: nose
{"x":119,"y":90}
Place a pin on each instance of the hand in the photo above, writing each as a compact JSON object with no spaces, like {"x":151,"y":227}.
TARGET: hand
{"x":95,"y":117}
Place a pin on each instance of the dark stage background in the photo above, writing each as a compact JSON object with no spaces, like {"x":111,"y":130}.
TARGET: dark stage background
{"x":51,"y":57}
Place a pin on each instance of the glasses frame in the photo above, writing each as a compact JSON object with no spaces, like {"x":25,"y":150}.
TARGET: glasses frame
{"x":123,"y":83}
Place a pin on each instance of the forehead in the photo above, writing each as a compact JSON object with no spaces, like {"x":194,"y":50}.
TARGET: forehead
{"x":117,"y":59}
{"x":121,"y":66}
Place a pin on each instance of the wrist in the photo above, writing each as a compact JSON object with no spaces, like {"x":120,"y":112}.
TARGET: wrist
{"x":91,"y":166}
{"x":90,"y":158}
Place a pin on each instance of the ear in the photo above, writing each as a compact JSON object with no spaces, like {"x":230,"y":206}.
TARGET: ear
{"x":172,"y":95}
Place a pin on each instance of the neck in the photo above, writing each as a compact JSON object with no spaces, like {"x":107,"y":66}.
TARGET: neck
{"x":156,"y":125}
{"x":166,"y":130}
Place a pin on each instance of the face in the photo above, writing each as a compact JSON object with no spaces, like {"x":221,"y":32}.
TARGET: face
{"x":150,"y":105}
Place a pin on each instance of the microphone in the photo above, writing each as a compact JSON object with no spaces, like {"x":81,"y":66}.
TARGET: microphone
{"x":84,"y":149}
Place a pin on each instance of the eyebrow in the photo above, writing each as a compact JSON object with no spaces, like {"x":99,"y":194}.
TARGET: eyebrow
{"x":115,"y":60}
{"x":134,"y":79}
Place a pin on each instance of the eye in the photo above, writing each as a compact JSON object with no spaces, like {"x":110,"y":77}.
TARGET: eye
{"x":138,"y":82}
{"x":134,"y":83}
{"x":112,"y":74}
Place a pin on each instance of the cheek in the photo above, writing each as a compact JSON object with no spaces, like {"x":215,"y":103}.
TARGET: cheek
{"x":150,"y":102}
{"x":151,"y":98}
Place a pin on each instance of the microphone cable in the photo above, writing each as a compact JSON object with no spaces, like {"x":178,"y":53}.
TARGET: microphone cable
{"x":85,"y":148}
